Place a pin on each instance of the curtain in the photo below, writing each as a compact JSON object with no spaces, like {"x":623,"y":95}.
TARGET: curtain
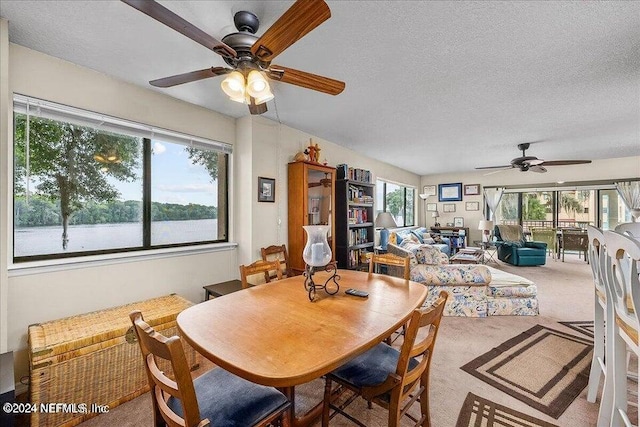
{"x":630,"y":194}
{"x":493,"y":197}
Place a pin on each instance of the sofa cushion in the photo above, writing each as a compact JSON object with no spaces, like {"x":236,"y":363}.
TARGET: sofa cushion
{"x":451,"y":274}
{"x":427,"y":254}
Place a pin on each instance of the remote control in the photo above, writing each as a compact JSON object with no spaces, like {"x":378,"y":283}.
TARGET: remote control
{"x":357,"y":293}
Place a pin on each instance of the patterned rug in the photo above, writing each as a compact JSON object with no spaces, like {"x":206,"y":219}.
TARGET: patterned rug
{"x":477,"y":411}
{"x":584,"y":327}
{"x":542,"y":367}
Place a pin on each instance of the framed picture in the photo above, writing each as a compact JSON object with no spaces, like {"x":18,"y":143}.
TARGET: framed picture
{"x":266,"y":189}
{"x":448,"y":207}
{"x":472,"y":190}
{"x":458,"y":221}
{"x":429,"y":190}
{"x":432,"y":207}
{"x":450,"y":192}
{"x":472,"y":206}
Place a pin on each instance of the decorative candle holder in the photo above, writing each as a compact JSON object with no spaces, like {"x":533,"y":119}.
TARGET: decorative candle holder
{"x":317,"y":256}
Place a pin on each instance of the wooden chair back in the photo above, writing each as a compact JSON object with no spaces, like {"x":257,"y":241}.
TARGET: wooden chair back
{"x":259,"y":267}
{"x":575,"y":240}
{"x":276,"y":252}
{"x":155,"y":345}
{"x":596,"y":259}
{"x":391,"y":260}
{"x":412,"y":381}
{"x":547,"y":235}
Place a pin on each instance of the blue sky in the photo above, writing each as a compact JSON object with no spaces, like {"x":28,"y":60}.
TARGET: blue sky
{"x":173,"y":179}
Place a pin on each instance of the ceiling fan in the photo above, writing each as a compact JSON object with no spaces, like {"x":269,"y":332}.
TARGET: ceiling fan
{"x":530,"y":163}
{"x":249,"y":56}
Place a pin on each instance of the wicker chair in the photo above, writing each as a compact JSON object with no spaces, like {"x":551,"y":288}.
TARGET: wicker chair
{"x":390,"y":378}
{"x":217,"y":398}
{"x":547,"y":235}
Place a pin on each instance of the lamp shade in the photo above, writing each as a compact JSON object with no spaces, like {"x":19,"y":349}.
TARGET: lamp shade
{"x":385,"y":220}
{"x":435,"y":214}
{"x":233,"y":86}
{"x":485,"y":225}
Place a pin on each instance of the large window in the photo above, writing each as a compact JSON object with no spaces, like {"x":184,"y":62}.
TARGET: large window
{"x":396,"y":199}
{"x":564,"y":208}
{"x":88,"y":184}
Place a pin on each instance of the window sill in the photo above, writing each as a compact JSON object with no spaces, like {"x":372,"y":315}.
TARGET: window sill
{"x":40,"y":267}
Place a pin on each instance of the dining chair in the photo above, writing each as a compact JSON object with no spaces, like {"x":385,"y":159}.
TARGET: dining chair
{"x":390,"y":377}
{"x":390,"y":260}
{"x":216,"y":398}
{"x":276,"y":252}
{"x":574,"y":240}
{"x":622,"y":322}
{"x":630,"y":229}
{"x":597,"y":258}
{"x":396,"y":266}
{"x":547,"y":235}
{"x":259,"y":267}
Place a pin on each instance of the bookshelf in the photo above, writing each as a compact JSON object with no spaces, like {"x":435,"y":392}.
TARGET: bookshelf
{"x":354,"y":217}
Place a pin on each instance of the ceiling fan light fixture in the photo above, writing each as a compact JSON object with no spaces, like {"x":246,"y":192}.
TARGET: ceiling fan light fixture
{"x":258,"y":87}
{"x":233,"y":86}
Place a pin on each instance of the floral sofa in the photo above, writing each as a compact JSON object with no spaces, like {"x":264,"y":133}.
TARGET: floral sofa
{"x":474,"y":290}
{"x":420,"y":235}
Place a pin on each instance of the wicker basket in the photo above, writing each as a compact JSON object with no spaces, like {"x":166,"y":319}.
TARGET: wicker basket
{"x":94,"y":359}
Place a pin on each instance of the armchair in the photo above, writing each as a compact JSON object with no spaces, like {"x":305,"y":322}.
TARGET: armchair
{"x":513,"y":249}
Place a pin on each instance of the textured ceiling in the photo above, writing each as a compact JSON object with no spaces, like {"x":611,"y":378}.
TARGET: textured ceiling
{"x":430,"y":86}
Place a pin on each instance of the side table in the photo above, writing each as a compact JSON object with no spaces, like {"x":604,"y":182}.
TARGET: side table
{"x":220,"y":289}
{"x":488,"y":251}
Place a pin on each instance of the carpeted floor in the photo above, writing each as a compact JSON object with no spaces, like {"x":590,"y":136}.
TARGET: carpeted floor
{"x":565,"y":295}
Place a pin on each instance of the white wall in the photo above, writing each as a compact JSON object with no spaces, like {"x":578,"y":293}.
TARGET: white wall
{"x":626,"y":167}
{"x":261,"y":148}
{"x":47,"y":295}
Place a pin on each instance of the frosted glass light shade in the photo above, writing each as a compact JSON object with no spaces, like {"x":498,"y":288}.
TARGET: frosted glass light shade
{"x":317,"y":252}
{"x":258,"y":87}
{"x":233,"y":86}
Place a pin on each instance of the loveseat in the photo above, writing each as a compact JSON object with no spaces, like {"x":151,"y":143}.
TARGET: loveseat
{"x":474,"y":290}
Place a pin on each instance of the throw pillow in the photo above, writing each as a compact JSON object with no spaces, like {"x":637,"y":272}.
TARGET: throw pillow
{"x":411,"y":238}
{"x":393,"y":238}
{"x":417,"y":235}
{"x":427,"y":239}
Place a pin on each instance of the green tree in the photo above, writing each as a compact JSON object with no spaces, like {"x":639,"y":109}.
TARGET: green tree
{"x":395,"y":202}
{"x":534,"y":209}
{"x":570,"y":204}
{"x":207,"y":158}
{"x":62,"y":159}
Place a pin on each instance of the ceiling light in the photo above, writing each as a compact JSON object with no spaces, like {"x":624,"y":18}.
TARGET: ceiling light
{"x":258,"y":87}
{"x":233,"y":86}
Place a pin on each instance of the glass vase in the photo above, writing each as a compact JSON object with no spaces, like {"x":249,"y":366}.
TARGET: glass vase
{"x":317,"y":252}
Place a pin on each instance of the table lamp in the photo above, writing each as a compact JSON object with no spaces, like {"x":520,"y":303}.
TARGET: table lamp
{"x":435,"y":215}
{"x":485,"y":226}
{"x":386,"y":221}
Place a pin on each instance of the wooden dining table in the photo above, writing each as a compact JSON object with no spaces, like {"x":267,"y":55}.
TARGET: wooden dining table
{"x":273,"y":335}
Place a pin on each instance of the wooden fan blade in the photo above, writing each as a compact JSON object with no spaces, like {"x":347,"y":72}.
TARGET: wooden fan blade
{"x":564,"y":162}
{"x":171,"y":20}
{"x":295,"y":23}
{"x":257,"y":109}
{"x":193,"y":76}
{"x":307,"y":80}
{"x":496,"y":167}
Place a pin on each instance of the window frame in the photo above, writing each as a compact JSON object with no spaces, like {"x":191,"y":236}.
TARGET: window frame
{"x":147,"y":134}
{"x":382,"y":207}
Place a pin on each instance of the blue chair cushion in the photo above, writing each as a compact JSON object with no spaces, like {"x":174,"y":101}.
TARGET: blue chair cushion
{"x":230,"y":401}
{"x":371,"y":368}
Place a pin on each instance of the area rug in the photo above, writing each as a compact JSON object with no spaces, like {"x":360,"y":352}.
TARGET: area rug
{"x":584,"y":327}
{"x":478,"y":411}
{"x":542,"y":367}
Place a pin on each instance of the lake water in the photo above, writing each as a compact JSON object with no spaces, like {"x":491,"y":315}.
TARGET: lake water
{"x":48,"y":240}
